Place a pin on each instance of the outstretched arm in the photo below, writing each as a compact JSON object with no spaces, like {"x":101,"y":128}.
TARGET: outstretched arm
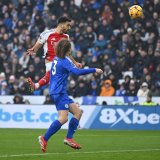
{"x":78,"y":65}
{"x":77,"y":71}
{"x":34,"y":49}
{"x":41,"y":40}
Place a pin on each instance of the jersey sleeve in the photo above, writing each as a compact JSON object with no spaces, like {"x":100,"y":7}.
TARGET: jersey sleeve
{"x":43,"y":37}
{"x":67,"y":36}
{"x":68,"y":65}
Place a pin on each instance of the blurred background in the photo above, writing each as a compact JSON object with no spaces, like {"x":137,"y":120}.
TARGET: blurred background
{"x":125,"y":97}
{"x":102,"y":34}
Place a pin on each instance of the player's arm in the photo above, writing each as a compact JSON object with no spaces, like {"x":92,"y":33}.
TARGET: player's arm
{"x":34,"y":49}
{"x":71,"y":68}
{"x":78,"y":71}
{"x":78,"y":65}
{"x":41,"y":40}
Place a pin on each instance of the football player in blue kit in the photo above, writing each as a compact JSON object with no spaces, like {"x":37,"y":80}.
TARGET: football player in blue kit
{"x":62,"y":66}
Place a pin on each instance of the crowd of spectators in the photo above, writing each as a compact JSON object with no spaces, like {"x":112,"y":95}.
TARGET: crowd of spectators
{"x":102,"y":34}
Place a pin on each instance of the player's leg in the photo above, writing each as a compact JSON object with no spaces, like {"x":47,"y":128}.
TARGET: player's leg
{"x":43,"y":81}
{"x":73,"y":124}
{"x":63,"y":109}
{"x":54,"y":127}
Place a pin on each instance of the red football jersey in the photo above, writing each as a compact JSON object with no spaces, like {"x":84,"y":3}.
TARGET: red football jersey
{"x":49,"y":39}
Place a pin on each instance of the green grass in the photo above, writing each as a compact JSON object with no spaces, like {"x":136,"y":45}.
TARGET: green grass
{"x":97,"y":145}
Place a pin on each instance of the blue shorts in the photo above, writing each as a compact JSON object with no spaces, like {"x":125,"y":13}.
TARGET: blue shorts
{"x":61,"y":101}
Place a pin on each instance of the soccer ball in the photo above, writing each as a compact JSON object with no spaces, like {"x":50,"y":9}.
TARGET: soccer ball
{"x":135,"y":12}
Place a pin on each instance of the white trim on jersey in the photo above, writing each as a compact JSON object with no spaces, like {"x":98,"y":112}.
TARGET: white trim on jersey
{"x":70,"y":60}
{"x":67,"y":36}
{"x":43,"y":40}
{"x":44,"y":37}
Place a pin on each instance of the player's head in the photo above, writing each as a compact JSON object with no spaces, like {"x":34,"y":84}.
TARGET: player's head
{"x":63,"y":48}
{"x":64,"y":23}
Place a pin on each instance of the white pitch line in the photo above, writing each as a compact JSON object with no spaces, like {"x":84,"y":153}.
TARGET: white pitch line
{"x":89,"y":152}
{"x":88,"y":135}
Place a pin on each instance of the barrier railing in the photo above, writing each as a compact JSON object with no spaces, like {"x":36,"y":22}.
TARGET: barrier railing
{"x":87,"y":100}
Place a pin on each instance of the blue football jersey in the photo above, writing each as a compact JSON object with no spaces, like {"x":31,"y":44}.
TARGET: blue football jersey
{"x":59,"y":74}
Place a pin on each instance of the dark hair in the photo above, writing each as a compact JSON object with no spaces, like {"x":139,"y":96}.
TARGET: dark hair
{"x":62,"y":48}
{"x":63,"y":19}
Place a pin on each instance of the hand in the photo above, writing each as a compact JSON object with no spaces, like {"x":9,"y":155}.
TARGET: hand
{"x":99,"y":71}
{"x":79,"y":65}
{"x":31,"y":51}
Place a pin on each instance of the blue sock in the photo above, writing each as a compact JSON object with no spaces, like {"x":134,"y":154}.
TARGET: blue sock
{"x":54,"y":127}
{"x":73,"y":124}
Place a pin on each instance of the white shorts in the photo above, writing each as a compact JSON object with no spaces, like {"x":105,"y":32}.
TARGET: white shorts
{"x":48,"y":66}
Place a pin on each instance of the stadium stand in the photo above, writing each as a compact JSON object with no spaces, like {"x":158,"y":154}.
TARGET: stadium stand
{"x":102,"y":36}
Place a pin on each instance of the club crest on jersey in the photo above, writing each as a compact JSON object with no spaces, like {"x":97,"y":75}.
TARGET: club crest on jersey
{"x":66,"y":106}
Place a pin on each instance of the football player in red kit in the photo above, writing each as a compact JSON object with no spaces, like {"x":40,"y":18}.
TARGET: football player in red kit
{"x":49,"y":39}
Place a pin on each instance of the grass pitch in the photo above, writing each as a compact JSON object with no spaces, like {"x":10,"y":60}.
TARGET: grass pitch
{"x":22,"y":144}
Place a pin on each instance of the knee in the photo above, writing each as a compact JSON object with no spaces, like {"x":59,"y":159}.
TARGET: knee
{"x":79,"y":113}
{"x":63,"y":120}
{"x":80,"y":110}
